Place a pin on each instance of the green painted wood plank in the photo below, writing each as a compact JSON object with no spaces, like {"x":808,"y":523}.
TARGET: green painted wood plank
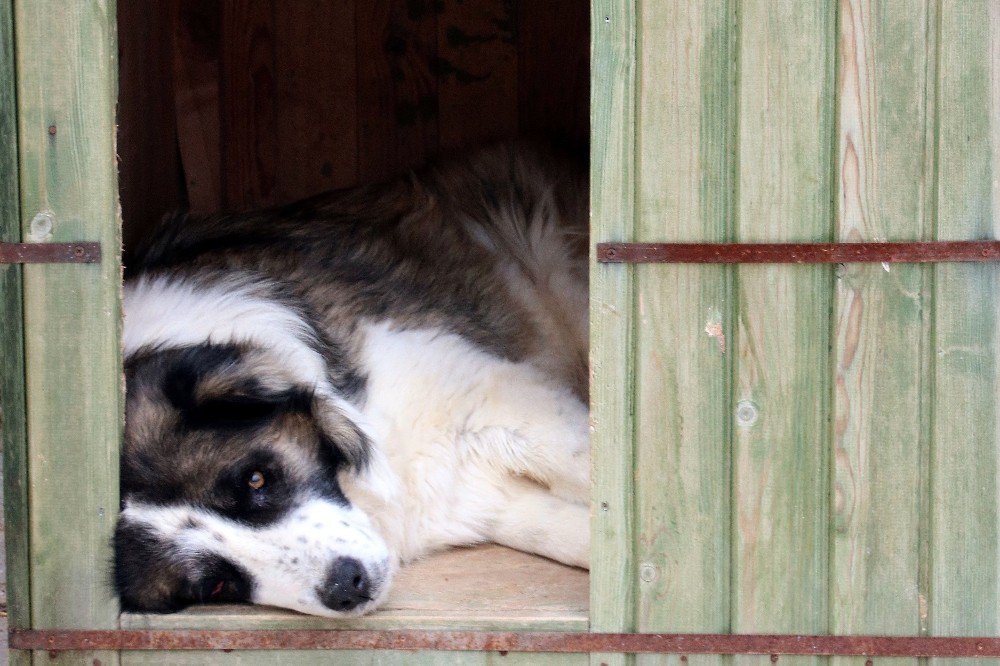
{"x":67,"y":74}
{"x":781,"y":469}
{"x":350,"y":658}
{"x":684,"y":320}
{"x":881,"y":325}
{"x":613,"y":573}
{"x":12,"y":413}
{"x":965,"y":539}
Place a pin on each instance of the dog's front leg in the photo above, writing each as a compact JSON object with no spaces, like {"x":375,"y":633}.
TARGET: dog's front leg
{"x":535,"y":431}
{"x":533,"y":520}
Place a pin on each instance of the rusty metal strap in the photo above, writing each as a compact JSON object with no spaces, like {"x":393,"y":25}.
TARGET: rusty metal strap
{"x":798,"y":253}
{"x":485,"y":641}
{"x":50,"y":253}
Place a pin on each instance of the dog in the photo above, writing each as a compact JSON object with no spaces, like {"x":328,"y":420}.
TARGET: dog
{"x":318,"y":393}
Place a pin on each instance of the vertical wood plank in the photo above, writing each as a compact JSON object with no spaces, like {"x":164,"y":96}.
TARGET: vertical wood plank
{"x":612,"y":209}
{"x":476,"y":66}
{"x":249,"y":142}
{"x":553,"y":63}
{"x":966,"y":428}
{"x":67,"y":73}
{"x":12,"y":401}
{"x":781,"y":475}
{"x":881,"y":331}
{"x":685,"y":321}
{"x":150,"y":170}
{"x":197,"y":34}
{"x":316,"y":119}
{"x":397,"y":91}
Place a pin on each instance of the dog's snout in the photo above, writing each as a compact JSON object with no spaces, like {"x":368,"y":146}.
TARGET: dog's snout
{"x":347,"y":585}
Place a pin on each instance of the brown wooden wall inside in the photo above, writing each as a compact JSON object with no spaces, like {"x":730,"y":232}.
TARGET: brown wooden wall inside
{"x":236,"y":104}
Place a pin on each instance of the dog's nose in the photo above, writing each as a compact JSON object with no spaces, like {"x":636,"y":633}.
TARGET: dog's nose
{"x":347,"y":585}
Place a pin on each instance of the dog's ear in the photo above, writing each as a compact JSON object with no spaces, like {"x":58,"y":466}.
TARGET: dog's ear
{"x":344,"y":431}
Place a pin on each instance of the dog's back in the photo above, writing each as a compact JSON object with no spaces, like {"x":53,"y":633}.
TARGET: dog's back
{"x":490,"y":247}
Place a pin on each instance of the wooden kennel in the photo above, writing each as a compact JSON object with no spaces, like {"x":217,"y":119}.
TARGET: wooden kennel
{"x":788,"y":459}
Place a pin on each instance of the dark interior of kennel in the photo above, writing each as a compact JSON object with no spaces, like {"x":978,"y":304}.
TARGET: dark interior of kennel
{"x":239,"y":104}
{"x":236,"y":104}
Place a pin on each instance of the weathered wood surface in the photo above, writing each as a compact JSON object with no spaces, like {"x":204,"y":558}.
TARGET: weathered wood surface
{"x":860,"y":402}
{"x":781,"y":375}
{"x":13,"y":434}
{"x":965,"y":427}
{"x":315,"y":65}
{"x":477,"y":70}
{"x":881,"y":322}
{"x":612,"y":209}
{"x":67,"y":85}
{"x":684,"y":320}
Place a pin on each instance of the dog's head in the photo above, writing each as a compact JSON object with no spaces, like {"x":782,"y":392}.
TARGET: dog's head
{"x":237,"y":427}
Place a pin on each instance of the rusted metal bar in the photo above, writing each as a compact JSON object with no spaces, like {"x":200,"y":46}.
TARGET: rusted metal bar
{"x":798,"y":253}
{"x":484,"y":641}
{"x":50,"y":253}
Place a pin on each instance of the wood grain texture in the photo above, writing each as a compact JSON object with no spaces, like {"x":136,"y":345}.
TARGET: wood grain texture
{"x":476,"y":69}
{"x":248,"y":106}
{"x":782,"y":388}
{"x":316,"y":96}
{"x":67,"y":73}
{"x":965,"y":520}
{"x":684,"y":322}
{"x":150,"y":172}
{"x":13,"y":434}
{"x":881,"y":321}
{"x":613,"y":574}
{"x":397,"y":90}
{"x":197,"y":28}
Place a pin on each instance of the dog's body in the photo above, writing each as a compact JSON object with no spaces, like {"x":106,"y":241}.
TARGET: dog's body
{"x":417,"y":348}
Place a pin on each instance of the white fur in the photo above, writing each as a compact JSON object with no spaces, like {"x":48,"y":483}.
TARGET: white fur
{"x":472,"y":440}
{"x":287,"y":561}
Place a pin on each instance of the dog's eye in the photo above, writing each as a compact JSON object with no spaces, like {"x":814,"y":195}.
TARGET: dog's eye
{"x":256,"y":481}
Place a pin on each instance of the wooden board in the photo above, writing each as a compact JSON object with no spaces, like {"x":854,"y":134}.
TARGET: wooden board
{"x":13,"y":433}
{"x":612,"y":218}
{"x":150,"y":172}
{"x":553,"y":72}
{"x":882,"y":323}
{"x":965,"y":509}
{"x":685,"y":321}
{"x":476,"y":68}
{"x":397,"y":88}
{"x":197,"y":25}
{"x":247,"y":105}
{"x":67,"y":73}
{"x":488,"y":588}
{"x":316,"y":96}
{"x":781,"y":383}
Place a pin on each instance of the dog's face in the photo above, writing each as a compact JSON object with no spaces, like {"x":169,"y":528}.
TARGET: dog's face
{"x":230,"y":486}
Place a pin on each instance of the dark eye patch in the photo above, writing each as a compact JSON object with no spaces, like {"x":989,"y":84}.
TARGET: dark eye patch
{"x":236,"y":499}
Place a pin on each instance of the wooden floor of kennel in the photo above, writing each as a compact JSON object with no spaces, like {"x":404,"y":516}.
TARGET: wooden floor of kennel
{"x":789,"y":460}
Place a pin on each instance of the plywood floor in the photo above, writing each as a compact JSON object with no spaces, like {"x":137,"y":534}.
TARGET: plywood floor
{"x":487,"y":587}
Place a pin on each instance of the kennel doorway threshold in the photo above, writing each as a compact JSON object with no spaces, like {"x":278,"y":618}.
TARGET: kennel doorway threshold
{"x":487,"y":587}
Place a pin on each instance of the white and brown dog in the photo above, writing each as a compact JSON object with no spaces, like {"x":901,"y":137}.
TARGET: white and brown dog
{"x":320,"y":392}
